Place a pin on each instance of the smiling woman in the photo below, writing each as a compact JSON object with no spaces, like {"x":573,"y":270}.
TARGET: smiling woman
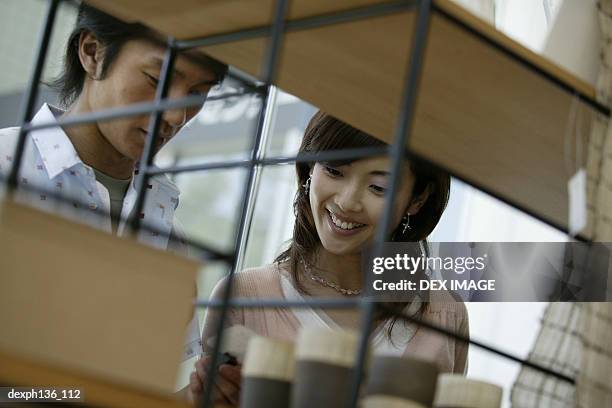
{"x":338,"y":207}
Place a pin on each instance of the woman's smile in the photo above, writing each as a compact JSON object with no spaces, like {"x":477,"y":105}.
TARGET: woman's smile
{"x":341,"y":225}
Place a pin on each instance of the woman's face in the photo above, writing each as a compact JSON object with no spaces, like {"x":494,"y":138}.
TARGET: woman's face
{"x":131,"y":78}
{"x":347,"y":202}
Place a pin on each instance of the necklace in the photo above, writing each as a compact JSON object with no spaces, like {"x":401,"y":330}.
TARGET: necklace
{"x":322,"y":281}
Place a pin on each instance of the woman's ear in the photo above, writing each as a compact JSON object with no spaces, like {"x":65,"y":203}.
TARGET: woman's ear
{"x":417,"y":202}
{"x":90,"y":54}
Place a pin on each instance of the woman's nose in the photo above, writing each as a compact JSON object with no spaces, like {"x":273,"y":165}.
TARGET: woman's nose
{"x":349,"y":199}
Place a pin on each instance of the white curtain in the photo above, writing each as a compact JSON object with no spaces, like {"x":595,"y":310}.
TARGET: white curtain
{"x":576,"y":338}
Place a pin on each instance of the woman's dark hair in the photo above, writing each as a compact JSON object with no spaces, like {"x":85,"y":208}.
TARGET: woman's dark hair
{"x":325,"y":132}
{"x":112,"y":33}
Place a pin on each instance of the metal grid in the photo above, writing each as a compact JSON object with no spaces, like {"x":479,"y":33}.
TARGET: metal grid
{"x":396,"y":151}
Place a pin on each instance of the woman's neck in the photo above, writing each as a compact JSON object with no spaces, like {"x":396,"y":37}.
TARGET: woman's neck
{"x":93,"y":148}
{"x":344,"y":270}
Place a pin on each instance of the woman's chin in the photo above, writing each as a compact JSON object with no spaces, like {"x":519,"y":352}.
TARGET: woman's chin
{"x":341,"y":249}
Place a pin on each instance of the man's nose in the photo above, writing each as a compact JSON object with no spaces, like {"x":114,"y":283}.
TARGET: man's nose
{"x":175,"y":118}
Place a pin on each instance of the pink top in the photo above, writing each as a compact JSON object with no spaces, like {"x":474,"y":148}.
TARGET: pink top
{"x":272,"y":282}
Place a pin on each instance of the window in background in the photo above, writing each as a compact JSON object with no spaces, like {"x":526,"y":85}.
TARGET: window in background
{"x":479,"y":217}
{"x":20,"y":23}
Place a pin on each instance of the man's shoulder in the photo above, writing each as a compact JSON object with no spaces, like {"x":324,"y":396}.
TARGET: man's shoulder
{"x":8,"y":142}
{"x":165,"y":181}
{"x":8,"y":136}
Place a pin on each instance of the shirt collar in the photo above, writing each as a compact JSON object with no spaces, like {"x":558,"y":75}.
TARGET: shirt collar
{"x":55,"y":148}
{"x":57,"y":152}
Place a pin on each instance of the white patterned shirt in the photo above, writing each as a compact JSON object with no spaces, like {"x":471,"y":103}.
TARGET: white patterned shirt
{"x":51,"y":164}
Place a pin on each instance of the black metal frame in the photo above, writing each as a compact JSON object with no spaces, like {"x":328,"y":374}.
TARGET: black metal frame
{"x":275,"y":33}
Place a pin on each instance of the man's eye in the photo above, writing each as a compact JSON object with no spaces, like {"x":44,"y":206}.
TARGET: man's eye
{"x":152,"y":79}
{"x":332,"y":171}
{"x":196,"y":92}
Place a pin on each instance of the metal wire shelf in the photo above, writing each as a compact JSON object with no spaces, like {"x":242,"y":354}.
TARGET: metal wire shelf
{"x":265,"y":90}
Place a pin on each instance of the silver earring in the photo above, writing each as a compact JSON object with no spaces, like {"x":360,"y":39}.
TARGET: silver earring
{"x":405,"y":223}
{"x":306,"y":185}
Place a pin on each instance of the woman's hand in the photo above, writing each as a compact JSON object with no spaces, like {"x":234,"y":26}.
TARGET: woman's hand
{"x":227,"y":383}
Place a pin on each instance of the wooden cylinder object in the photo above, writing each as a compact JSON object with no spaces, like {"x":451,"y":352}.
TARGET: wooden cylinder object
{"x":325,"y":360}
{"x":267,"y":374}
{"x":400,"y":382}
{"x":456,"y":391}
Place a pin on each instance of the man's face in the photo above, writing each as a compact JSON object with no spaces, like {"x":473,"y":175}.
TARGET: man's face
{"x":131,"y":78}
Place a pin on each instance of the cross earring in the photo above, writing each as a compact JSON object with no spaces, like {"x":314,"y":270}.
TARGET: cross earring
{"x":405,"y":223}
{"x":306,"y":185}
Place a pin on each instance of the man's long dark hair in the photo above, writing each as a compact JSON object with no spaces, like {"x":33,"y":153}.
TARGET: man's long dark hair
{"x":112,"y":33}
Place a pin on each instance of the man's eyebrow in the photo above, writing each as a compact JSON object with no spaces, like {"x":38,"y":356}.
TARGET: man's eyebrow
{"x":159,"y":62}
{"x":379,"y":173}
{"x":207,"y":82}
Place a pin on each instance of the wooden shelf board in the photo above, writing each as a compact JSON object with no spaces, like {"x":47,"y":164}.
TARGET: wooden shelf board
{"x":26,"y":372}
{"x":481,"y":114}
{"x":79,"y":298}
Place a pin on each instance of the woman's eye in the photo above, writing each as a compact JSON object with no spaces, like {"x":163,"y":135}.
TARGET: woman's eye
{"x":378,"y":189}
{"x":332,"y":171}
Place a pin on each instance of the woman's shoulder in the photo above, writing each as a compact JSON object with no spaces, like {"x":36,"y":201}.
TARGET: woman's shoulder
{"x":261,"y":281}
{"x":442,"y":301}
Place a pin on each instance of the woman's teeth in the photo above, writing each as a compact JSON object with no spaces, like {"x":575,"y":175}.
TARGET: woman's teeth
{"x":342,"y":224}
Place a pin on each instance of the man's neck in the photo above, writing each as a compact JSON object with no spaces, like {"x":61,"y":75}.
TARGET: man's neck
{"x":93,"y":148}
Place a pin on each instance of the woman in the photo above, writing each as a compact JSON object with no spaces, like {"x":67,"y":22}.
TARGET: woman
{"x":338,"y":207}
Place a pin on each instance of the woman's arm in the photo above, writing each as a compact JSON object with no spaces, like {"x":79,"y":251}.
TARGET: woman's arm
{"x":461,"y":348}
{"x":235,"y":316}
{"x":227,"y":384}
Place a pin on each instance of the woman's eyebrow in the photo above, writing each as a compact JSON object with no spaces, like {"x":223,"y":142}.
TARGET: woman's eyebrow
{"x":379,"y":173}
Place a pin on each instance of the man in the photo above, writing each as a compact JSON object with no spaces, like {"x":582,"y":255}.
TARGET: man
{"x":108,"y":64}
